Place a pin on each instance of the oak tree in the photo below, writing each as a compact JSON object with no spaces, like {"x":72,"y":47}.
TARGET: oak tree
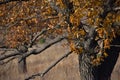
{"x":91,"y":27}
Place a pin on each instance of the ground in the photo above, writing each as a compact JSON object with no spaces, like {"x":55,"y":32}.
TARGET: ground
{"x":67,"y":69}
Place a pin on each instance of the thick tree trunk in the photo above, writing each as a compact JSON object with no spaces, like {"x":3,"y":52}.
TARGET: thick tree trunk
{"x":87,"y":71}
{"x":103,"y":71}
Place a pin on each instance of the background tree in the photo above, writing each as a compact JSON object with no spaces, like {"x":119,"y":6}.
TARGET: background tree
{"x":91,"y":28}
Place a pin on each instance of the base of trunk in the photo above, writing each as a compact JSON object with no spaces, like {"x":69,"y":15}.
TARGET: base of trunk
{"x":103,"y":71}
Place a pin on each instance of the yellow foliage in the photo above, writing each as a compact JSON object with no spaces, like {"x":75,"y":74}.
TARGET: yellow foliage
{"x":31,"y":17}
{"x":107,"y":44}
{"x":72,"y":46}
{"x":100,"y":32}
{"x":81,"y":32}
{"x":75,"y":20}
{"x":105,"y":54}
{"x":80,"y":50}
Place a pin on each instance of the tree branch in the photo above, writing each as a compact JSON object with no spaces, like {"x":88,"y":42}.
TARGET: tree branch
{"x":50,"y":67}
{"x":115,"y":46}
{"x":5,"y":62}
{"x":36,"y":36}
{"x":6,"y":49}
{"x":41,"y":49}
{"x":32,"y":50}
{"x":116,"y":9}
{"x":5,"y":56}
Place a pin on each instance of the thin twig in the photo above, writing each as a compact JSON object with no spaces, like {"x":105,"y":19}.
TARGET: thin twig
{"x":116,"y":9}
{"x":115,"y":45}
{"x":36,"y":36}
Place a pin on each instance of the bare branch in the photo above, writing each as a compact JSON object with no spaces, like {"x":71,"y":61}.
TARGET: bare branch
{"x":5,"y":62}
{"x":41,"y":49}
{"x":36,"y":36}
{"x":115,"y":46}
{"x":5,"y":56}
{"x":6,"y":49}
{"x":32,"y":51}
{"x":50,"y":67}
{"x":116,"y":9}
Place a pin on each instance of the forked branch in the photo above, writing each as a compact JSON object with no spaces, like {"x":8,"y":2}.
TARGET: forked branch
{"x":41,"y":49}
{"x":31,"y":51}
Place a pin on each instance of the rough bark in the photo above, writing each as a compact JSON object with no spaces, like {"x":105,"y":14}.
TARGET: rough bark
{"x":22,"y":68}
{"x":86,"y":70}
{"x":103,"y":71}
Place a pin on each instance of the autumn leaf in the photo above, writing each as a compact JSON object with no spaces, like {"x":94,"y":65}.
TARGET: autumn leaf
{"x":107,"y":44}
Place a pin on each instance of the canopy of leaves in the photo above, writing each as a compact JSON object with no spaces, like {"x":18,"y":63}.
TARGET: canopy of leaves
{"x":76,"y":19}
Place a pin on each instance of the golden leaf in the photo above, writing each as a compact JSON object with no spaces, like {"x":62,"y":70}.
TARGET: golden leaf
{"x":113,"y":32}
{"x":100,"y":32}
{"x":105,"y":54}
{"x":107,"y":44}
{"x":72,"y":46}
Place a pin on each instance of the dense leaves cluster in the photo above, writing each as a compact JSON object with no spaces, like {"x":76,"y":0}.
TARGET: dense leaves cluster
{"x":74,"y":18}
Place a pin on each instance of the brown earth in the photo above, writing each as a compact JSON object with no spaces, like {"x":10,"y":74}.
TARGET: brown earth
{"x":67,"y":69}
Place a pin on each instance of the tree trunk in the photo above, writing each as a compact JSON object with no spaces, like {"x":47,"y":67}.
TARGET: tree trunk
{"x":86,"y":70}
{"x":22,"y":68}
{"x":103,"y":71}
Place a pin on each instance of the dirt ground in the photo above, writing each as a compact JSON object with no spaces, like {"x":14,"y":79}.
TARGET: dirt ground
{"x":67,"y":69}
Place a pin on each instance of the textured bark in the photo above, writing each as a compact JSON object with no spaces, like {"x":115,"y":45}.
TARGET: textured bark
{"x":87,"y":71}
{"x":103,"y":71}
{"x":22,"y":68}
